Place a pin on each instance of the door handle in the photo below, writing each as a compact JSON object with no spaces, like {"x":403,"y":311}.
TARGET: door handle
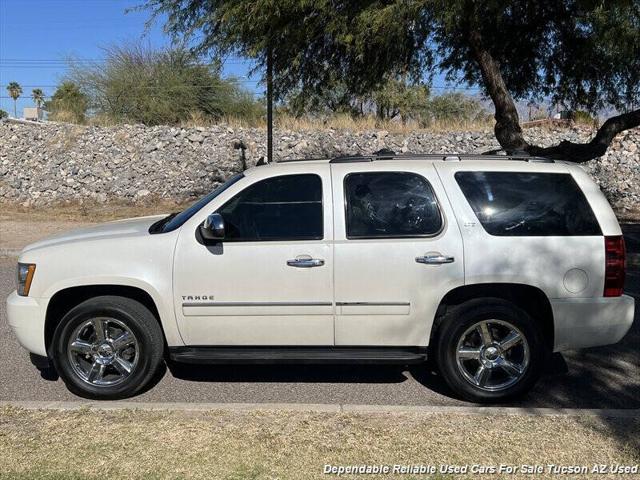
{"x":435,"y":259}
{"x":305,"y":262}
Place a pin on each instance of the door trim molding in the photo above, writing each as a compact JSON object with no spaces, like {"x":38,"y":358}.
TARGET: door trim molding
{"x":376,"y":304}
{"x":257,"y":304}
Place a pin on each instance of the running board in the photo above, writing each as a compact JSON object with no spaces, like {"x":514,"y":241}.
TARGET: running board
{"x":300,"y":355}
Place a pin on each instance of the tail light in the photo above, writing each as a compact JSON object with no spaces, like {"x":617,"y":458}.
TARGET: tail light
{"x":614,"y":270}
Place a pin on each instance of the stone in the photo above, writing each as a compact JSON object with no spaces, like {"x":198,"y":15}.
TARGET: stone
{"x":56,"y":162}
{"x":196,"y":138}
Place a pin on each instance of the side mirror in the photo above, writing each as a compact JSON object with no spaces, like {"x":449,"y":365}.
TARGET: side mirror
{"x":213,"y":227}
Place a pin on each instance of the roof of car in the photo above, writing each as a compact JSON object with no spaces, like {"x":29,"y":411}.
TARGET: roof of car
{"x":433,"y":157}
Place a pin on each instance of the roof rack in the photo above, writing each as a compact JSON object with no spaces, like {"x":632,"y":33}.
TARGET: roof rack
{"x":310,"y":159}
{"x":389,"y":155}
{"x":437,"y":156}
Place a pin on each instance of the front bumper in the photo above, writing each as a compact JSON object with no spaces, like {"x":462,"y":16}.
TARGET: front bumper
{"x":26,"y":318}
{"x":591,"y":322}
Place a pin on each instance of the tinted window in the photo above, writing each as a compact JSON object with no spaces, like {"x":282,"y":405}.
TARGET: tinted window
{"x":528,"y":204}
{"x":280,"y":208}
{"x":390,"y":204}
{"x":179,"y":219}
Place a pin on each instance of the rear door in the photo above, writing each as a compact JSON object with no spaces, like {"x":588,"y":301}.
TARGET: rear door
{"x":526,"y":224}
{"x":397,"y":252}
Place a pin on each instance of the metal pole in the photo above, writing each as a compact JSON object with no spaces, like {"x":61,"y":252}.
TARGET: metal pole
{"x":269,"y":106}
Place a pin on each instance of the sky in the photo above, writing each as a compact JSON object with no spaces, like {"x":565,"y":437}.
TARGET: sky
{"x":37,"y":36}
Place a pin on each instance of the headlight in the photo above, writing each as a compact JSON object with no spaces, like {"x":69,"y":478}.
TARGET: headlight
{"x":25,"y":277}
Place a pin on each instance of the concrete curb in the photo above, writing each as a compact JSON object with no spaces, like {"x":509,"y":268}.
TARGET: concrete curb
{"x":319,"y":408}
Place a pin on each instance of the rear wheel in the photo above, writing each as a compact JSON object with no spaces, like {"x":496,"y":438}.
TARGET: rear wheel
{"x":489,"y":350}
{"x":108,"y":347}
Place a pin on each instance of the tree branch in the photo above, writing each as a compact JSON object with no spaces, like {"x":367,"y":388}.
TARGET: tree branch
{"x":583,"y":152}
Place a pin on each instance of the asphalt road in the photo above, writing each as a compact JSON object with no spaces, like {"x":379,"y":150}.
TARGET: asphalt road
{"x":605,"y":377}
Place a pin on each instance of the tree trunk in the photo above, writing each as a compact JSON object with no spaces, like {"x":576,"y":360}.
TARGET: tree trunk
{"x":508,"y":131}
{"x":507,"y":128}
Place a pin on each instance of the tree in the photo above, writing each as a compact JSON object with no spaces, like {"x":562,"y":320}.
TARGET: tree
{"x":330,"y":99}
{"x":15,"y":90}
{"x":68,"y":104}
{"x":454,"y":107}
{"x":579,"y":53}
{"x":3,"y":114}
{"x":141,"y":85}
{"x":397,"y":98}
{"x":38,"y":97}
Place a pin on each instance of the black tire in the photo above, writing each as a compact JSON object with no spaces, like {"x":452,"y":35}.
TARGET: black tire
{"x":459,"y":321}
{"x":147,"y":351}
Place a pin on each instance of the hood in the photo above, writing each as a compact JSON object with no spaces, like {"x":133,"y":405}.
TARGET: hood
{"x":130,"y":227}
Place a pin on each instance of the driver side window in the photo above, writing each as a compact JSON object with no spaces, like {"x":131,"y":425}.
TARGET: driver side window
{"x":287,"y":207}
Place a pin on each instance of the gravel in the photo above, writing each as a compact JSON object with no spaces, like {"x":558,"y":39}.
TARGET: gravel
{"x":45,"y":164}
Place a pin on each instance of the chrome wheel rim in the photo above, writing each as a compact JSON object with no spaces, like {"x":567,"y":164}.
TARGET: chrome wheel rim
{"x":492,"y":355}
{"x":103,"y":352}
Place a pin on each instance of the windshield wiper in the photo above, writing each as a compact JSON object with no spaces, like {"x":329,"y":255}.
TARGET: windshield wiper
{"x":157,"y":226}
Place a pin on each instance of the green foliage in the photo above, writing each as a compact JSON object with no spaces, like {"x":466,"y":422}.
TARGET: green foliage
{"x":580,"y":116}
{"x":330,"y":100}
{"x":3,"y":114}
{"x":38,"y":96}
{"x":397,"y":98}
{"x":15,"y":90}
{"x":581,"y":53}
{"x":68,"y":104}
{"x":141,"y":85}
{"x":393,"y":99}
{"x":453,"y":107}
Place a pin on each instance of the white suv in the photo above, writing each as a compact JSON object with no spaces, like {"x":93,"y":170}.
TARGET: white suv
{"x":484,"y":264}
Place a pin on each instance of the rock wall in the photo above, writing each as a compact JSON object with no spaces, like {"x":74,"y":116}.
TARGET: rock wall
{"x":54,"y":163}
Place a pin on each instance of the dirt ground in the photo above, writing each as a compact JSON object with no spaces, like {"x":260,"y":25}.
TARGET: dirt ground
{"x":21,"y":226}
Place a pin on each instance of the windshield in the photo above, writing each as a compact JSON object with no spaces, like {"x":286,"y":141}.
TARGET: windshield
{"x":178,"y":220}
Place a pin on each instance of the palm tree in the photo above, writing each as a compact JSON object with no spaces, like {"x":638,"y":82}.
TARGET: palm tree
{"x":38,"y":96}
{"x":15,"y":90}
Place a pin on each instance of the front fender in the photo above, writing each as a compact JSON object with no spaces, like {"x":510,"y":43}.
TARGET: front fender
{"x":165,"y":307}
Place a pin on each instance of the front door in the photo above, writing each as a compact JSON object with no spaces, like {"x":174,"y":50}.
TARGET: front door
{"x":269,"y":282}
{"x":397,"y":252}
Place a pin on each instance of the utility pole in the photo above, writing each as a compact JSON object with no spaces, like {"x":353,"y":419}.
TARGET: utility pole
{"x":269,"y":105}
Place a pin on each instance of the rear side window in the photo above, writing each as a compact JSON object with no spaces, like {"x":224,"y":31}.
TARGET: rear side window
{"x":390,"y":205}
{"x":528,"y":204}
{"x":287,"y":207}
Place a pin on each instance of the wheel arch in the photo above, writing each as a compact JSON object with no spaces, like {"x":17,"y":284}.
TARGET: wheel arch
{"x":64,"y":300}
{"x":531,"y":299}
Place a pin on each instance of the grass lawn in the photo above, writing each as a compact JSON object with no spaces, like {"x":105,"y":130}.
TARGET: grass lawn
{"x":268,"y":444}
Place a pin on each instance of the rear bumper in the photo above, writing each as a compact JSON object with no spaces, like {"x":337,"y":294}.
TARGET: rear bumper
{"x":591,"y":322}
{"x":26,"y":318}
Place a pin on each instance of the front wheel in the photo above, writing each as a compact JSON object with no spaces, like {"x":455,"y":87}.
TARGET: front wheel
{"x":489,"y":350}
{"x":107,"y":348}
